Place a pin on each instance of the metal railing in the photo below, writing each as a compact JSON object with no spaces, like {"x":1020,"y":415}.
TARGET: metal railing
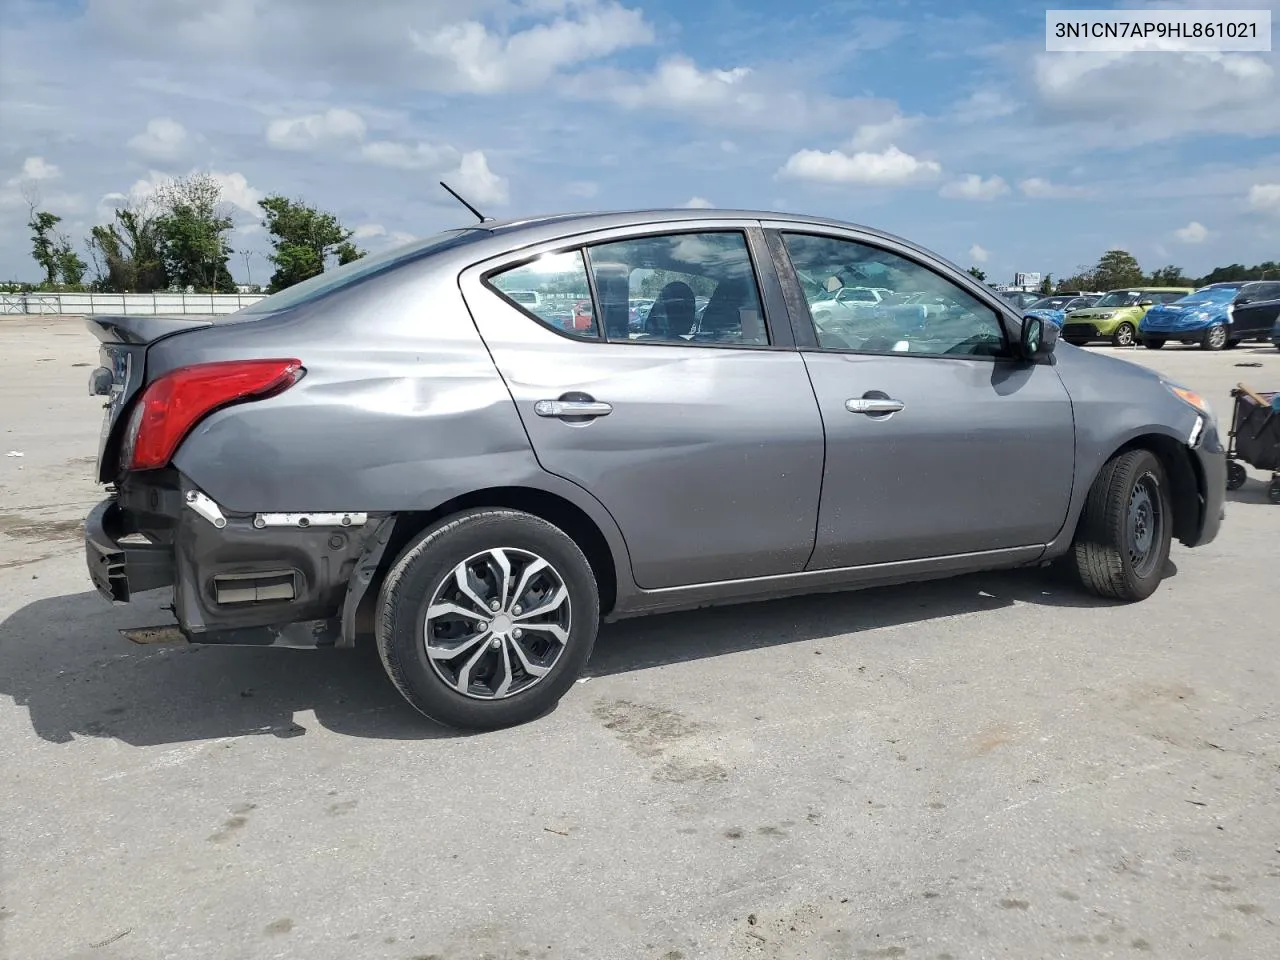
{"x":125,"y":303}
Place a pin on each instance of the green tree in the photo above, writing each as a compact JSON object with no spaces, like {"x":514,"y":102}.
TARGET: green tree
{"x":1046,"y":285}
{"x":304,"y":238}
{"x":127,"y":252}
{"x":45,"y":242}
{"x":1117,"y":268}
{"x":978,"y":273}
{"x":71,"y":266}
{"x":192,"y":228}
{"x":1237,"y":272}
{"x":1169,"y":276}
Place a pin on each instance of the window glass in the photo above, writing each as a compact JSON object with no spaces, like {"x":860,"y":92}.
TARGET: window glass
{"x":694,"y":288}
{"x":919,"y":311}
{"x":554,"y":289}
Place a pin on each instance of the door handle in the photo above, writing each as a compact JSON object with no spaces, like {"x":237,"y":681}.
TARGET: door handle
{"x":572,"y":408}
{"x":873,"y":405}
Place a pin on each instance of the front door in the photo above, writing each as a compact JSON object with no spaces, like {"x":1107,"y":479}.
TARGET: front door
{"x":684,"y":419}
{"x":937,"y":443}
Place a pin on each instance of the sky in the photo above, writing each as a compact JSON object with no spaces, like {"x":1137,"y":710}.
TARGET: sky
{"x":944,"y":121}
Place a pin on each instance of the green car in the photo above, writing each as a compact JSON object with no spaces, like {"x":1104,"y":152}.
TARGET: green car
{"x":1116,"y":316}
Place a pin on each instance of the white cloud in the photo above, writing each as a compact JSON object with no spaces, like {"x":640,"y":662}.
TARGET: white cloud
{"x":872,"y":135}
{"x":972,"y":187}
{"x":983,"y":105}
{"x":34,"y":170}
{"x":335,"y":125}
{"x":583,"y":188}
{"x":892,"y":167}
{"x":469,"y":58}
{"x":701,"y":203}
{"x":728,"y":146}
{"x":477,"y":183}
{"x":237,"y":192}
{"x":1038,"y":188}
{"x":1193,"y":232}
{"x":403,"y":156}
{"x":367,"y":231}
{"x":979,"y":254}
{"x":399,"y":238}
{"x":163,"y":139}
{"x":1265,"y":197}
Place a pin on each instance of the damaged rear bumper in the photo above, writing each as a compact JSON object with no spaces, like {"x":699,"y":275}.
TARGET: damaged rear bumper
{"x":243,"y":579}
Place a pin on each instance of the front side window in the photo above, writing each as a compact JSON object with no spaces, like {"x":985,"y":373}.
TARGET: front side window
{"x":554,"y":289}
{"x":699,"y":288}
{"x":921,"y":313}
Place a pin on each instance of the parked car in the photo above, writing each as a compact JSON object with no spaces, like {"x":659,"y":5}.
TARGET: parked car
{"x":398,"y":452}
{"x":1116,"y":315}
{"x":1021,"y":298}
{"x":1217,"y":316}
{"x":1055,"y":309}
{"x":1275,"y":333}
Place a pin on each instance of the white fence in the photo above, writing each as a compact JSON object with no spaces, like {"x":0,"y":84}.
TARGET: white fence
{"x":125,"y":303}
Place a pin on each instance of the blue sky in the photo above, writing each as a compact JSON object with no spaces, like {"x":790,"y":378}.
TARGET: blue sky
{"x":946,"y":122}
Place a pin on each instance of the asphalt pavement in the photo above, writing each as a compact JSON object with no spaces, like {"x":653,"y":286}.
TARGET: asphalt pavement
{"x":992,"y":766}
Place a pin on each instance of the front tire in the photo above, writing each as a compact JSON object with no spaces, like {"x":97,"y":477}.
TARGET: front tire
{"x":1152,"y":343}
{"x":1122,"y":541}
{"x":1215,"y":338}
{"x":1123,"y":335}
{"x":487,"y":619}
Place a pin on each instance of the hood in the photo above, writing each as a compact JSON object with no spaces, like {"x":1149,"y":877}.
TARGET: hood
{"x":1052,"y":316}
{"x":1183,"y":315}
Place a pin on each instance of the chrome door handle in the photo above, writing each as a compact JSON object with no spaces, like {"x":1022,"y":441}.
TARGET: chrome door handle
{"x":572,"y":408}
{"x":873,"y":405}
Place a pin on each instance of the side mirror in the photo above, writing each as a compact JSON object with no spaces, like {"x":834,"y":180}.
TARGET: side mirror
{"x":1038,"y":338}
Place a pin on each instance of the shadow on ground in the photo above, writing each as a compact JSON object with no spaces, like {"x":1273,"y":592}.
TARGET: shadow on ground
{"x":65,"y":661}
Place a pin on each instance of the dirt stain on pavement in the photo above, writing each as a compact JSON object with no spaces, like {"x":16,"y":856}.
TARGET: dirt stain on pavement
{"x":30,"y":528}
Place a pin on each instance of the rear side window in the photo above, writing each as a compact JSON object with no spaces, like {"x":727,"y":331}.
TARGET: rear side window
{"x":703,"y":288}
{"x":554,"y":289}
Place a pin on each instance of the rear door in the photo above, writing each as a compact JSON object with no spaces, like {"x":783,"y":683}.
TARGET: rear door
{"x":706,"y":447}
{"x":938,"y":443}
{"x":1255,"y":317}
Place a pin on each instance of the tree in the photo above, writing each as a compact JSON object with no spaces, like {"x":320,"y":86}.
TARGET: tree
{"x":1169,"y":276}
{"x":978,"y":273}
{"x":127,"y":252}
{"x":304,"y":238}
{"x":71,"y":266}
{"x":1117,"y":268}
{"x":1268,"y":270}
{"x":1046,"y":285}
{"x":192,"y":228}
{"x":45,"y":242}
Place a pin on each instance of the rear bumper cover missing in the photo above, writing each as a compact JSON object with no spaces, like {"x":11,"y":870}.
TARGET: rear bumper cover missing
{"x":120,"y":570}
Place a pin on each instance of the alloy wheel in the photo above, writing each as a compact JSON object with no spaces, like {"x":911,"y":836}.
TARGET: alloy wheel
{"x":1217,"y":336}
{"x":498,"y":623}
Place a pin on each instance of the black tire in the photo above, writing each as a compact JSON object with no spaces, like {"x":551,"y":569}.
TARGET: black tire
{"x":1232,"y":344}
{"x":1215,"y":338}
{"x":1152,"y":343}
{"x":1124,"y":335}
{"x":1076,"y":341}
{"x":1236,"y":475}
{"x":1273,"y":491}
{"x":427,"y":567}
{"x":1107,"y":537}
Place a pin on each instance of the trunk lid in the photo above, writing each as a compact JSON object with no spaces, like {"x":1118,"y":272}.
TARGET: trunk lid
{"x":122,"y":351}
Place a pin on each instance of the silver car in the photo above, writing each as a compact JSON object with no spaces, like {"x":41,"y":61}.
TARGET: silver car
{"x":411,"y":449}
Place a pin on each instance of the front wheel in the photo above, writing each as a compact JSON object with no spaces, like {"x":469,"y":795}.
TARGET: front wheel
{"x":1152,"y":343}
{"x":1123,"y":336}
{"x":487,"y":619}
{"x":1215,"y":338}
{"x":1122,"y":541}
{"x":1236,"y":475}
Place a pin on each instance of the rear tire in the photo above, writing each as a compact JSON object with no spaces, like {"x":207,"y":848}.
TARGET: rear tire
{"x":1236,"y":475}
{"x":512,"y":663}
{"x":1153,"y":344}
{"x":1273,"y":491}
{"x":1122,"y":540}
{"x":1076,"y":341}
{"x":1123,"y":335}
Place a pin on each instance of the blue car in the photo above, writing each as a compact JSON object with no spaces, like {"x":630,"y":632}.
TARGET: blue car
{"x":1213,"y":316}
{"x":1055,"y":309}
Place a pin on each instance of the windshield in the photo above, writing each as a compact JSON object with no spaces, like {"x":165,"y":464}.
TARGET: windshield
{"x":1119,"y":298}
{"x":339,"y":278}
{"x":1049,"y":303}
{"x":1211,"y":295}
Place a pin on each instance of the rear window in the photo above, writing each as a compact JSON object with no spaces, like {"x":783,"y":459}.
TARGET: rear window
{"x":331,"y":281}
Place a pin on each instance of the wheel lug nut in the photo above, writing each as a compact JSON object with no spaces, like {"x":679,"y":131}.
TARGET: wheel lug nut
{"x":497,"y":642}
{"x":494,"y":605}
{"x":517,"y":633}
{"x":482,"y":626}
{"x":516,"y":609}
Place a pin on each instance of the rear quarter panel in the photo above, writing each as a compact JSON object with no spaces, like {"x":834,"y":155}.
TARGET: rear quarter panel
{"x":1114,"y":401}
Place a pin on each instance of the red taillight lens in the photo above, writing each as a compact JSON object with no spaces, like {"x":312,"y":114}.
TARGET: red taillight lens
{"x":180,"y":399}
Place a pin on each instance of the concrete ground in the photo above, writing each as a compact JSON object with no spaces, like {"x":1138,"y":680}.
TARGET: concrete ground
{"x":995,"y":766}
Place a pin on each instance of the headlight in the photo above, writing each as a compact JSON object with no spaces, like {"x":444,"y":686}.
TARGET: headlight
{"x":1190,"y":397}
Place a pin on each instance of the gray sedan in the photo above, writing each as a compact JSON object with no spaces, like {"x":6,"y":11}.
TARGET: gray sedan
{"x":401,"y":451}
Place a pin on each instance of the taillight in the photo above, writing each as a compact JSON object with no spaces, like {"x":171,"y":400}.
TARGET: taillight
{"x":177,"y":401}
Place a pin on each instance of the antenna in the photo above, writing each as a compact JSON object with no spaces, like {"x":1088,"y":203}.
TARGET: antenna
{"x":454,"y":193}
